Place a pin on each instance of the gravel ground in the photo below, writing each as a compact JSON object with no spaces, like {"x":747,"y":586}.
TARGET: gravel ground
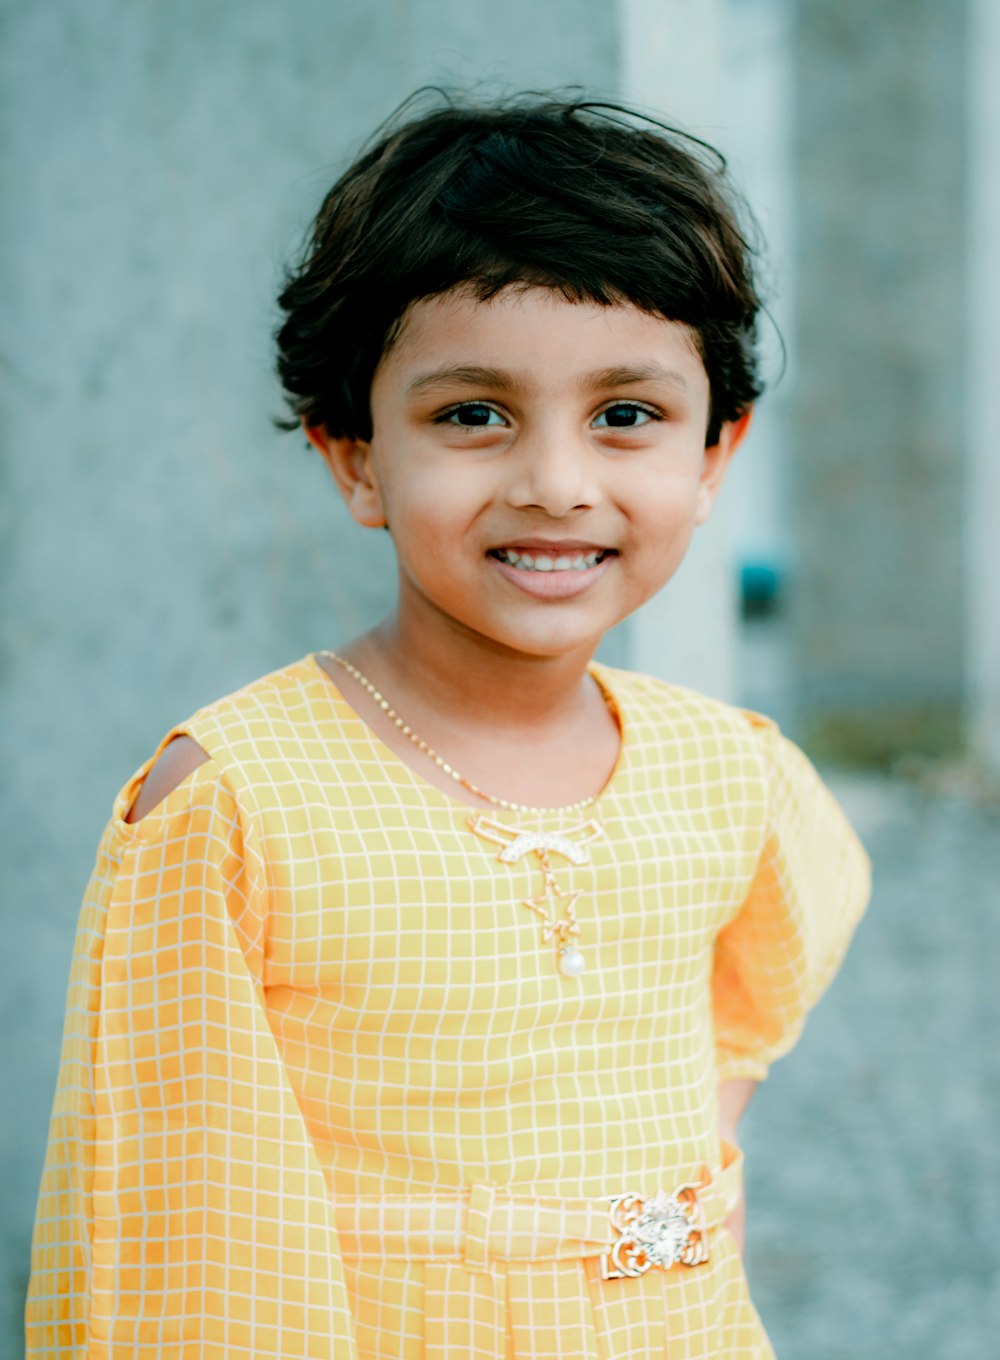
{"x":873,"y":1149}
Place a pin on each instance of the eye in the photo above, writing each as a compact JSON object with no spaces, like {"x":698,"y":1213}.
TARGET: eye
{"x":625,"y":415}
{"x":471,"y":415}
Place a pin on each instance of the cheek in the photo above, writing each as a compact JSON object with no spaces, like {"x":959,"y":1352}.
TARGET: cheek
{"x":431,"y":512}
{"x":665,"y":495}
{"x":662,"y":512}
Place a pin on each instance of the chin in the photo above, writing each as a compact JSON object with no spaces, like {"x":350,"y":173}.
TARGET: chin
{"x":547,"y":645}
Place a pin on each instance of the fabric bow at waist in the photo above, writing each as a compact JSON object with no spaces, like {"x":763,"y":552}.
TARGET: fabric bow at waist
{"x":498,"y":1263}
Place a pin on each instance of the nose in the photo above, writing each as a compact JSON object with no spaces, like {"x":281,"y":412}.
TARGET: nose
{"x":553,"y":470}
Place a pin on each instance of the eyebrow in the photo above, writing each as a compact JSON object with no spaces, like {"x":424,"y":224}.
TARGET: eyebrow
{"x":627,"y":374}
{"x":473,"y":375}
{"x":465,"y":375}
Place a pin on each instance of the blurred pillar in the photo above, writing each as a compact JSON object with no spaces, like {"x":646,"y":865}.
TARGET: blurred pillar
{"x":878,"y":423}
{"x":983,"y":500}
{"x":672,"y":64}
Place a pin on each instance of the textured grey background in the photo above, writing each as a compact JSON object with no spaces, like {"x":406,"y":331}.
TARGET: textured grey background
{"x":161,"y":544}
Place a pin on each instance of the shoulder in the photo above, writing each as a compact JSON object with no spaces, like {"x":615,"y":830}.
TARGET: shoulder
{"x":265,"y":707}
{"x":714,"y":755}
{"x":659,"y":707}
{"x":245,"y":733}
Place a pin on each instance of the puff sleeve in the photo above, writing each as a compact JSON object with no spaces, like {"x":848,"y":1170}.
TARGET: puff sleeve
{"x":811,"y":884}
{"x":182,"y":1210}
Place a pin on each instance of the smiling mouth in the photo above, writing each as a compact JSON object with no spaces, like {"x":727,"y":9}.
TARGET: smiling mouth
{"x":537,"y":561}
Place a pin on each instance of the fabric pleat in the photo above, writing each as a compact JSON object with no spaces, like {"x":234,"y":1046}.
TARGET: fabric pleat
{"x":465,"y":1312}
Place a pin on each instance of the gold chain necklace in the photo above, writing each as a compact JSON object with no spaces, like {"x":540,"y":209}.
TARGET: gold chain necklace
{"x":442,"y":764}
{"x":563,"y":930}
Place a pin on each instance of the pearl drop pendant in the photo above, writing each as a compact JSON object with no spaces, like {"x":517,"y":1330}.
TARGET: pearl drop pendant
{"x":571,"y":961}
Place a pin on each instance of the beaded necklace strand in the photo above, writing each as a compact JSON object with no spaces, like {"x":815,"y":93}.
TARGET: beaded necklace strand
{"x":440,"y":762}
{"x":564,"y":928}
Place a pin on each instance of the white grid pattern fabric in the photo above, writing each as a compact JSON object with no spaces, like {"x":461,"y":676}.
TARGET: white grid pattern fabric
{"x":302,"y":980}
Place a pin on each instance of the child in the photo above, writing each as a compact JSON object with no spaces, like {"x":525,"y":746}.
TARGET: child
{"x":420,"y":1025}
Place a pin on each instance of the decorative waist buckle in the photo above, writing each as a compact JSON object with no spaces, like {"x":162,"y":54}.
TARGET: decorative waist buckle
{"x":664,"y":1230}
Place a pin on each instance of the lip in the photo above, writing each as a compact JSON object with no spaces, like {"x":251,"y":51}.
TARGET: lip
{"x":554,"y":585}
{"x":554,"y":547}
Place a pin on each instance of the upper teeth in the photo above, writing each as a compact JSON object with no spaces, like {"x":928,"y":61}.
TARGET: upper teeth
{"x":543,"y":562}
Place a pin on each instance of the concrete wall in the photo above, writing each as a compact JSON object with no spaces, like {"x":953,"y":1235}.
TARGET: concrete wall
{"x":161,"y":543}
{"x":982,"y":499}
{"x":878,"y":439}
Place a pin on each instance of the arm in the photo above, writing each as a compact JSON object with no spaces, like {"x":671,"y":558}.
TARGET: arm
{"x":59,"y":1302}
{"x":778,"y":953}
{"x":181,"y":1180}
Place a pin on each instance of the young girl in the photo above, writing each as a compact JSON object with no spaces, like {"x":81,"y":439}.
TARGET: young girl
{"x":420,"y":985}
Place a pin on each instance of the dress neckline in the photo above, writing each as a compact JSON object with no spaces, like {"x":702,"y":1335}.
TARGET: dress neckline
{"x":395,"y":763}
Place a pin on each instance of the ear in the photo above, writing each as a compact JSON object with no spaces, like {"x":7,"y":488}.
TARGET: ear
{"x":351,"y":464}
{"x":716,"y":461}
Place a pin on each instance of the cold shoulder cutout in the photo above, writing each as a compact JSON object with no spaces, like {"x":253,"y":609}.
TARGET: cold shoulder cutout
{"x":176,"y":761}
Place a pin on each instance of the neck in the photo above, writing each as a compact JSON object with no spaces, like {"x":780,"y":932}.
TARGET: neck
{"x":471,"y":680}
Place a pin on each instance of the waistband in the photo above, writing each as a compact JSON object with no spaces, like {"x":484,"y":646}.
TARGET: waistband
{"x":482,"y":1223}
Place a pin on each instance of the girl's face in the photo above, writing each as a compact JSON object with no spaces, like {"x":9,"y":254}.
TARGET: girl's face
{"x":541,"y":464}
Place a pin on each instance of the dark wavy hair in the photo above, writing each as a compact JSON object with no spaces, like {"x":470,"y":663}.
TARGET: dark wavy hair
{"x":588,"y":198}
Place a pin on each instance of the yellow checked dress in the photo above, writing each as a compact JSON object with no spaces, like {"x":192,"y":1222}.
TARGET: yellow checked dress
{"x":324,"y":1091}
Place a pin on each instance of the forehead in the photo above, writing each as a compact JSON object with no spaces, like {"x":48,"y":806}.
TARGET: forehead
{"x":537,"y":339}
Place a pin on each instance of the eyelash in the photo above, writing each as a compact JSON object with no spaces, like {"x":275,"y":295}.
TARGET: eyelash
{"x":445,"y":416}
{"x":650,"y":411}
